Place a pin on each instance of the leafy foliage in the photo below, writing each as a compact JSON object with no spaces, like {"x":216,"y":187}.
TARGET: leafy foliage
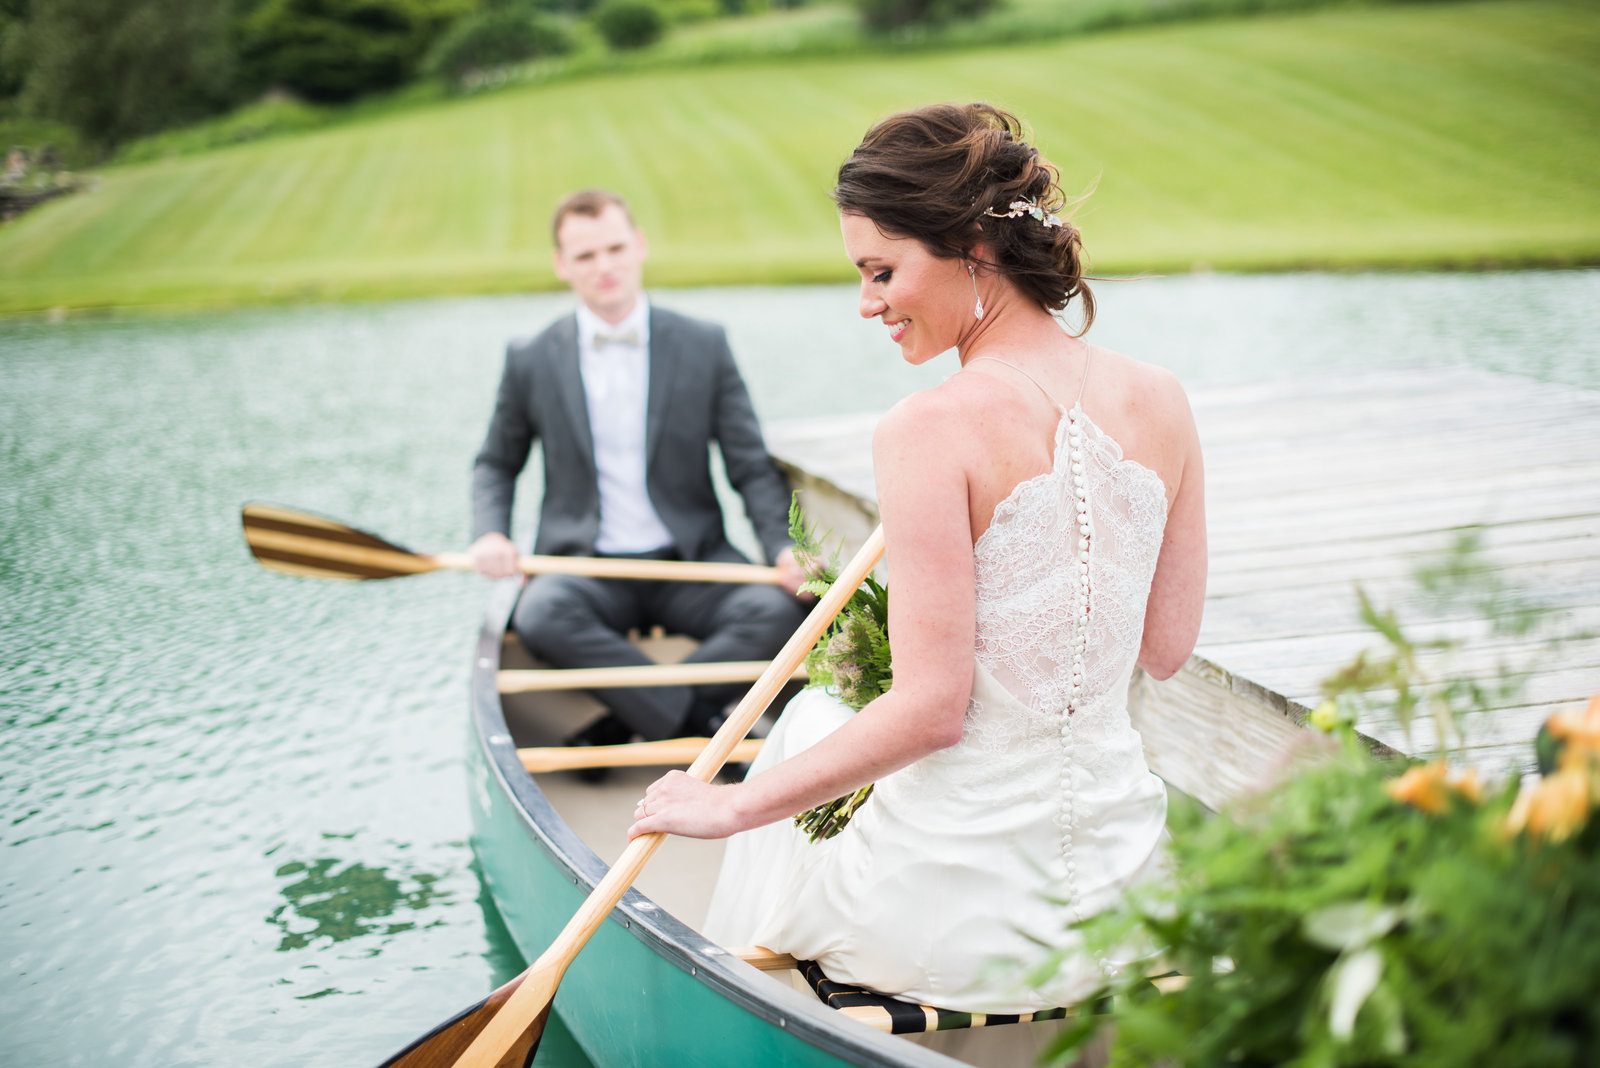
{"x":629,"y":24}
{"x":13,"y":53}
{"x":115,"y":70}
{"x":496,"y":38}
{"x":570,"y":7}
{"x":333,"y":50}
{"x":884,"y":15}
{"x":1357,"y":918}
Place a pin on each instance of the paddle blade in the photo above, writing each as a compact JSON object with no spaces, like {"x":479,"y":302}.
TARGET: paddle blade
{"x":300,"y":543}
{"x":444,"y":1046}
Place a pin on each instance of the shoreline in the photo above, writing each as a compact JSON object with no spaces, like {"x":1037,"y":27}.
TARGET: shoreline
{"x":313,"y":296}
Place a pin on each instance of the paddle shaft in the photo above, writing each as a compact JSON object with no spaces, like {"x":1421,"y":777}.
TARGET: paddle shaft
{"x":695,"y":673}
{"x":537,"y":989}
{"x":538,"y":759}
{"x":623,"y":567}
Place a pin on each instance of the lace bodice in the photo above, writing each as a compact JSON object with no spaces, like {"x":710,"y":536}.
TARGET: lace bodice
{"x":1062,"y":578}
{"x":1064,"y":571}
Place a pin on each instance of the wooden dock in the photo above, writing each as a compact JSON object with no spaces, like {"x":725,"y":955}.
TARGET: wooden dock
{"x":1314,"y":487}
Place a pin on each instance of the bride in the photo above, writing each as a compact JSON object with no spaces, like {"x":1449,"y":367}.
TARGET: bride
{"x":1044,"y":517}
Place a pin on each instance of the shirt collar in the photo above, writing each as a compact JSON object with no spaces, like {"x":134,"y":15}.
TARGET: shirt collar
{"x":639,"y":319}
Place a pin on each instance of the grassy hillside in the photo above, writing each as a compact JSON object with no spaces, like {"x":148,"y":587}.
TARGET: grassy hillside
{"x":1443,"y":134}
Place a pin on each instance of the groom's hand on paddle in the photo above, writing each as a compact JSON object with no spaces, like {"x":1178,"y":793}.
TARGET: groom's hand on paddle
{"x":494,"y":555}
{"x":685,"y":806}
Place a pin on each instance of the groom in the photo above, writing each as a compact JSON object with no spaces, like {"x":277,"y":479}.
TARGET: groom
{"x":626,"y":399}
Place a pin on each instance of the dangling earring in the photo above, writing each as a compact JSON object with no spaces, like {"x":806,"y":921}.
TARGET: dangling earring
{"x":977,"y":309}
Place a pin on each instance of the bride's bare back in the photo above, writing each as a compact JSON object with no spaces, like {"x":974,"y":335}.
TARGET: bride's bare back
{"x":992,"y":426}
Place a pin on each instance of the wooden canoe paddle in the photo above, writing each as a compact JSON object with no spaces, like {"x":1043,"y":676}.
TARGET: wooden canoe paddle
{"x":300,"y":543}
{"x":503,"y":1030}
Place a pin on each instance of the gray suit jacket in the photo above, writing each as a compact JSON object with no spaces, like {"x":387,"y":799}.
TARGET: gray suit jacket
{"x":696,"y":397}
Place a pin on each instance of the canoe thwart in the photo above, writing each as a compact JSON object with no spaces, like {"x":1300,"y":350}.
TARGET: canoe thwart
{"x":768,"y":960}
{"x":694,"y":674}
{"x":634,"y":754}
{"x":645,"y":570}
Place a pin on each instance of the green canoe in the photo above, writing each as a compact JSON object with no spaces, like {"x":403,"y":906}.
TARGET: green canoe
{"x":647,"y":990}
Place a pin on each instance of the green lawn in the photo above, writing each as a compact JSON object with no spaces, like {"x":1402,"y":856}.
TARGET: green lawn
{"x":1433,"y":135}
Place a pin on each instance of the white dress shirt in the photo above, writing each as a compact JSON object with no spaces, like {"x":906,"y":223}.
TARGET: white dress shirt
{"x":616,"y":384}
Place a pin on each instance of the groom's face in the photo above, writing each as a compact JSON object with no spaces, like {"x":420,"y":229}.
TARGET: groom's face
{"x":602,"y":258}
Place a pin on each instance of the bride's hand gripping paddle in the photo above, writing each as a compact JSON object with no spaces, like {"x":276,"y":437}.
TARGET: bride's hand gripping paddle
{"x":504,"y":1029}
{"x":300,"y":543}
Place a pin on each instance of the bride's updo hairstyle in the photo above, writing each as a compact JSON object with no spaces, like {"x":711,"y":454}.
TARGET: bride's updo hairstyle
{"x":947,"y":175}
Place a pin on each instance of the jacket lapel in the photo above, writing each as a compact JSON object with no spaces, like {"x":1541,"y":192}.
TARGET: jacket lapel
{"x":569,"y":378}
{"x":660,"y":360}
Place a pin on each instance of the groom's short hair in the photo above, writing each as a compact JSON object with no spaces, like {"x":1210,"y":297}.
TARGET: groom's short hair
{"x":589,"y":202}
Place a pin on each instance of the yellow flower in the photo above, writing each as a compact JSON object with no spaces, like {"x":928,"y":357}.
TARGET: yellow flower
{"x":1422,"y":786}
{"x":1580,"y":730}
{"x":1466,"y":784}
{"x":1555,"y":806}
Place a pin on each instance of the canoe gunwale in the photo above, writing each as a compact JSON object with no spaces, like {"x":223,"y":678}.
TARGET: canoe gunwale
{"x":666,"y":936}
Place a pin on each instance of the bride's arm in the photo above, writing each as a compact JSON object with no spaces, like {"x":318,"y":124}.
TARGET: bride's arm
{"x":922,"y":498}
{"x":1178,"y":590}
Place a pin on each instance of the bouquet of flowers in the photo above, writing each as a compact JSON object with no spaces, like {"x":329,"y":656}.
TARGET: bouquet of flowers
{"x":851,"y":658}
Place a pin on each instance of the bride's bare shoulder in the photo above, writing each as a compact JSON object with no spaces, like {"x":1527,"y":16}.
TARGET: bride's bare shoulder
{"x":932,"y":422}
{"x":1145,"y":391}
{"x":949,"y":409}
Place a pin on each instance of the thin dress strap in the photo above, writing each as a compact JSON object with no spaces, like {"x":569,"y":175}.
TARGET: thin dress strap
{"x":1087,"y":356}
{"x":1024,"y":374}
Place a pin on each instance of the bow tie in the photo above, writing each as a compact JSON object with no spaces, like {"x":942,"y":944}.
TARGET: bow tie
{"x":618,"y":337}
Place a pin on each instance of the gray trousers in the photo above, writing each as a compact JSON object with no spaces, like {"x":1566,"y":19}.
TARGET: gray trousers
{"x":571,"y":621}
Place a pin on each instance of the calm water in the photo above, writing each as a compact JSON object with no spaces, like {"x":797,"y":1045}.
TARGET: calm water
{"x":232,"y":815}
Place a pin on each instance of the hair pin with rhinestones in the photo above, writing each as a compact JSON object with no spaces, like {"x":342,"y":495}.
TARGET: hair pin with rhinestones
{"x":1027,"y":206}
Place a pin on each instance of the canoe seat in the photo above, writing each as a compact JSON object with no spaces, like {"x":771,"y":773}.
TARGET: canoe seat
{"x":904,"y":1017}
{"x":898,"y":1017}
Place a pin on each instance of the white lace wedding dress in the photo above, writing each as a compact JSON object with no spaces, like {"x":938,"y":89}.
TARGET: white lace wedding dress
{"x":1043,"y":814}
